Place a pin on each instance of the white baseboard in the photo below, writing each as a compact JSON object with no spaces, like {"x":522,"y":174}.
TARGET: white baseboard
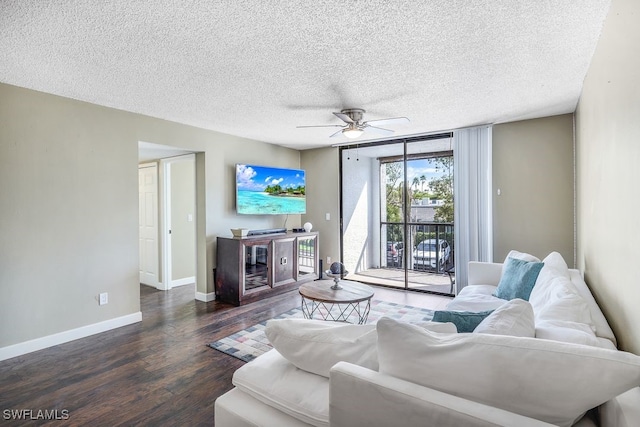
{"x":66,"y":336}
{"x":201,"y":296}
{"x":184,"y":281}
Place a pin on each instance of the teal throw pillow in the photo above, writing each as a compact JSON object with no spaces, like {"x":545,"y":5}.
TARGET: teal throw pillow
{"x":518,"y":279}
{"x":465,"y":321}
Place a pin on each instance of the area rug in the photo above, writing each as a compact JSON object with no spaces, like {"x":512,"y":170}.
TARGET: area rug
{"x":250,"y":343}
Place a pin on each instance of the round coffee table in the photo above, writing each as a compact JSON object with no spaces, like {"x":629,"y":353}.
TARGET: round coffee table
{"x":351,"y":304}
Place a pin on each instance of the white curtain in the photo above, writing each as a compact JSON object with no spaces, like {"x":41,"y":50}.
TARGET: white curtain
{"x":472,"y":199}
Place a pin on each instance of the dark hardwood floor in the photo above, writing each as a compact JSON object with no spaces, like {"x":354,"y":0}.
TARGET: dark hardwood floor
{"x":156,"y":372}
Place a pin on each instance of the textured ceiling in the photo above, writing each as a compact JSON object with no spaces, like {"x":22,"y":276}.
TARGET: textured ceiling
{"x":258,"y":69}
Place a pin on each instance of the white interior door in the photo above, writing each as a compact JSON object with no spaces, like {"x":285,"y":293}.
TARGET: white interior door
{"x":148,"y":223}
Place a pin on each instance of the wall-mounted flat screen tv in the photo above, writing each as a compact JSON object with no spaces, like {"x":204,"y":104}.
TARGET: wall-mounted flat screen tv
{"x":264,"y":190}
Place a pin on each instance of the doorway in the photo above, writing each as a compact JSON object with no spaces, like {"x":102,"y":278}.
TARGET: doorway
{"x":178,"y":218}
{"x":173,"y":248}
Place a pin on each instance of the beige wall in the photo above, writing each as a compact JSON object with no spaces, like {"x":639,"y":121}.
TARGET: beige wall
{"x":323,"y":196}
{"x":69,"y":207}
{"x":533,"y":169}
{"x":608,"y":173}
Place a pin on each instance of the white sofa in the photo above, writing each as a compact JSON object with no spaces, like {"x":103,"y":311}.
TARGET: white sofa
{"x":272,"y":391}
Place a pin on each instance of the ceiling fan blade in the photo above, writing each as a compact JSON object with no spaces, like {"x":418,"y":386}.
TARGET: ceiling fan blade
{"x":375,"y":129}
{"x":336,"y":134}
{"x":321,"y":126}
{"x":345,"y":118}
{"x":386,"y":122}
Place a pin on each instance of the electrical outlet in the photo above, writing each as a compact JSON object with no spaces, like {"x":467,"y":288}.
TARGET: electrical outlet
{"x":328,"y":260}
{"x":104,"y":298}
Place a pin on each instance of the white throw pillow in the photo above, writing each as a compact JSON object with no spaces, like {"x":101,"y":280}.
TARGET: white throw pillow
{"x":514,"y":318}
{"x":603,"y":330}
{"x":563,"y":302}
{"x":555,"y":261}
{"x":554,"y":266}
{"x":316,"y":345}
{"x":440,"y":327}
{"x":551,"y":381}
{"x":522,"y":256}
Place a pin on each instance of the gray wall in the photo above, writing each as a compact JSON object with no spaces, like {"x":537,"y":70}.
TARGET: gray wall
{"x":183,"y":232}
{"x":608,"y":173}
{"x":69,"y":207}
{"x":68,"y":215}
{"x":533,"y":168}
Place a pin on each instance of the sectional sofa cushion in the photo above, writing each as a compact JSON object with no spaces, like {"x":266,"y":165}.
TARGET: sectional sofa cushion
{"x":551,"y":381}
{"x":567,"y":331}
{"x":274,"y":381}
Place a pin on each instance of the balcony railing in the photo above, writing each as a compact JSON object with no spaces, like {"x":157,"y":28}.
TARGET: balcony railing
{"x":427,"y":246}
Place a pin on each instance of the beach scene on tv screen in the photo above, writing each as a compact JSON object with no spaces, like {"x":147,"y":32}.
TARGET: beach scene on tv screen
{"x":265,"y":190}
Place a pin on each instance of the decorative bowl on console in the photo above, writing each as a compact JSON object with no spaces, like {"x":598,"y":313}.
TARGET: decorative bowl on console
{"x":239,"y":232}
{"x":337,"y":270}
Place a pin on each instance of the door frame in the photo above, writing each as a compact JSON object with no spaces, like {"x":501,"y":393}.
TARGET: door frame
{"x":448,"y":135}
{"x":165,"y":219}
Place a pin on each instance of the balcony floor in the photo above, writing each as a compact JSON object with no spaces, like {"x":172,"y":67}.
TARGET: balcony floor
{"x":425,"y":281}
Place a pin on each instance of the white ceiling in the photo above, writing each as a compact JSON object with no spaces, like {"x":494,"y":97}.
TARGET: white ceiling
{"x":258,"y":69}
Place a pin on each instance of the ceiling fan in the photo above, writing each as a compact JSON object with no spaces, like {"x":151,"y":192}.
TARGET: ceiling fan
{"x":355,"y":127}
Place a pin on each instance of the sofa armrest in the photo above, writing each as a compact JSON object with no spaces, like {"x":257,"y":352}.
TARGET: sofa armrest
{"x":484,"y":273}
{"x":236,"y":408}
{"x":622,"y":411}
{"x":361,"y":397}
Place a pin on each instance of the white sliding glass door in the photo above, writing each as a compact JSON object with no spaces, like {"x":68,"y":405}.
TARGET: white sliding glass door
{"x":397,"y":213}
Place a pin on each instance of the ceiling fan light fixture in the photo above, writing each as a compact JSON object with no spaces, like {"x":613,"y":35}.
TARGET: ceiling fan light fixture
{"x":352,"y":133}
{"x":354,"y":125}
